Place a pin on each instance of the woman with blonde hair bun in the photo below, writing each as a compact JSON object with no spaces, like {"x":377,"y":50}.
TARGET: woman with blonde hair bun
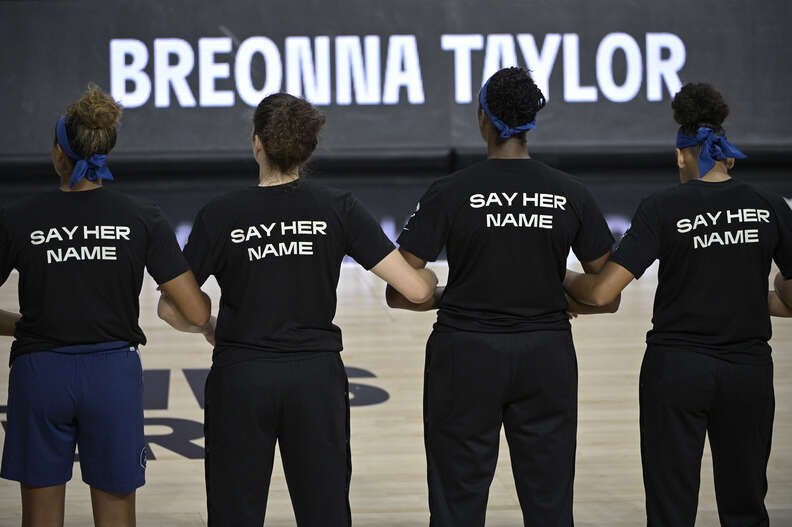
{"x":76,"y":377}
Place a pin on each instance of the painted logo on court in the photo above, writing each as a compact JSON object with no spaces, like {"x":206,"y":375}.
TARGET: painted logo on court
{"x":183,"y":433}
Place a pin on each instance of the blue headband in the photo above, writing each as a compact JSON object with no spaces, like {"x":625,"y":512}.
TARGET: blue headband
{"x":713,"y":148}
{"x":93,"y":168}
{"x":505,"y":130}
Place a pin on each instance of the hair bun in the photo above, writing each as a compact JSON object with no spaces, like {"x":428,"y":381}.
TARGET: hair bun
{"x":514,"y":98}
{"x":699,"y":104}
{"x":95,"y":110}
{"x":288,"y":128}
{"x":91,"y":123}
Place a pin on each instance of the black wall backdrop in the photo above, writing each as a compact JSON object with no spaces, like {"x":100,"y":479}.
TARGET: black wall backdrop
{"x":398,"y":82}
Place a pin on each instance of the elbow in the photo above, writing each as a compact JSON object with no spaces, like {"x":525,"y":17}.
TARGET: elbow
{"x":782,"y":296}
{"x":391,"y":297}
{"x":602,"y":298}
{"x":202,"y":313}
{"x":164,"y":310}
{"x":198,"y":318}
{"x":614,"y":306}
{"x":420,"y":294}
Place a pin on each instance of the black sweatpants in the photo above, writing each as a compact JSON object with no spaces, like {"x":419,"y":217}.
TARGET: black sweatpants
{"x":684,"y":396}
{"x":302,"y":401}
{"x":474,"y":382}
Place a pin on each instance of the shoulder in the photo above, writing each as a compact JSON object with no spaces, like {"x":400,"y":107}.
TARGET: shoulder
{"x":30,"y":203}
{"x":21,"y":212}
{"x":143,"y":210}
{"x":572,"y":186}
{"x":463,"y":176}
{"x":122,"y":200}
{"x":322,"y":191}
{"x":228,"y":201}
{"x":15,"y":214}
{"x":447,"y":187}
{"x":666,"y":195}
{"x":771,"y":198}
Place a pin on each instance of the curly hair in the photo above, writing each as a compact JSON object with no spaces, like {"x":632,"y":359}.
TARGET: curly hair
{"x":697,"y":105}
{"x":288,"y":127}
{"x":514,"y":98}
{"x":91,"y":123}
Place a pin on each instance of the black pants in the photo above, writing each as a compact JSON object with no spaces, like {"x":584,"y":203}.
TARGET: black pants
{"x":475,"y":382}
{"x":685,"y":395}
{"x":303,"y":403}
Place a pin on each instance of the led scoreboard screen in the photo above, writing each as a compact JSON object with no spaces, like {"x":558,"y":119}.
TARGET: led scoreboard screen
{"x":390,"y":76}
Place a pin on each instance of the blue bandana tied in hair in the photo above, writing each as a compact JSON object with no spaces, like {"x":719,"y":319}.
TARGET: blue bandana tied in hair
{"x":93,"y":168}
{"x":505,"y":130}
{"x":713,"y":148}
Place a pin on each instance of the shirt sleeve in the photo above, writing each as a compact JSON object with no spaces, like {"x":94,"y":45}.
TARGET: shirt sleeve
{"x":365,"y":241}
{"x":594,"y":237}
{"x":164,"y":259}
{"x":428,"y":228}
{"x":640,"y":246}
{"x":6,"y":256}
{"x":783,"y":251}
{"x":200,"y":250}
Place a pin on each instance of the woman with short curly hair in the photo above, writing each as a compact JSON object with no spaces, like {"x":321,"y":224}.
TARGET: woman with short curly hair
{"x":501,"y":353}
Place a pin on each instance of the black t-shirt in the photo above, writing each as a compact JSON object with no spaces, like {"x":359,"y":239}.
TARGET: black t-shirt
{"x":80,"y":257}
{"x":715,"y":242}
{"x":276,"y":253}
{"x":507,"y":225}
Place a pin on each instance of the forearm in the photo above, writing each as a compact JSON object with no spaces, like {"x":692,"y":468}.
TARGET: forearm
{"x":397,"y":301}
{"x":585,"y":309}
{"x":783,"y":290}
{"x":168,"y":312}
{"x":580,"y":287}
{"x":8,"y":322}
{"x":776,"y":306}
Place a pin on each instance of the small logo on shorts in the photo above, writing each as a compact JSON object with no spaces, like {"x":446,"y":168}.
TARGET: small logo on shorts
{"x":143,"y":458}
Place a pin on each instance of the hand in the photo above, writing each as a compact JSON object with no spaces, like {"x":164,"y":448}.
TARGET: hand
{"x":208,"y":330}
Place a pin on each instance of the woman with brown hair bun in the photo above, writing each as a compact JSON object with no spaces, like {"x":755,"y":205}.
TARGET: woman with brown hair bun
{"x":276,"y":251}
{"x":76,"y":377}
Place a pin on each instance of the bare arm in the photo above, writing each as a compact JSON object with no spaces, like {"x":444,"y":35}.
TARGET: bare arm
{"x":168,"y":312}
{"x":577,"y":308}
{"x":595,"y":266}
{"x":783,"y":289}
{"x":397,"y":300}
{"x":776,"y":306}
{"x":8,"y":322}
{"x":183,"y":304}
{"x":415,"y":285}
{"x":598,"y":289}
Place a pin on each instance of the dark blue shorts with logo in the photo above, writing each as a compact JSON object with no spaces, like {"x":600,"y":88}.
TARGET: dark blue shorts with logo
{"x":89,"y":397}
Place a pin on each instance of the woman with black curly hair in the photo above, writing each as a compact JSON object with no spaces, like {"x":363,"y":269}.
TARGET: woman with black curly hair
{"x":707,"y":368}
{"x":501,"y":353}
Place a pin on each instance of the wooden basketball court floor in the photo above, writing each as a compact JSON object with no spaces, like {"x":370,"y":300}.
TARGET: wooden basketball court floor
{"x":388,"y":482}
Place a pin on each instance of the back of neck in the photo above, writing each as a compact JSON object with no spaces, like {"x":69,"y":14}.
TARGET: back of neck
{"x":271,"y":178}
{"x":82,"y":185}
{"x":509,"y":149}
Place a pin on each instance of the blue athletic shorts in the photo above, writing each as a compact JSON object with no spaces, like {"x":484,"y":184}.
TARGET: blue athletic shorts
{"x":85,"y":396}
